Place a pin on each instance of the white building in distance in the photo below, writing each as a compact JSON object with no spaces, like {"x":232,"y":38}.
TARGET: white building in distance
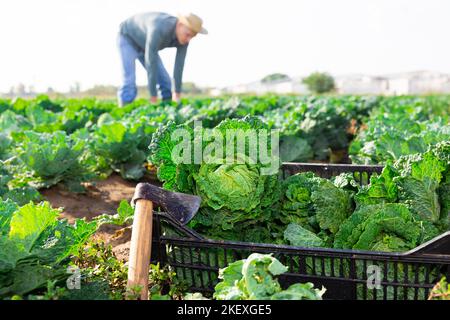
{"x":292,"y":85}
{"x":417,"y":82}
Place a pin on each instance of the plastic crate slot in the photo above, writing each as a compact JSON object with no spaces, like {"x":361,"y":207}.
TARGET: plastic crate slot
{"x":200,"y":263}
{"x":416,"y":280}
{"x":374,"y":293}
{"x":302,"y":264}
{"x":341,"y":267}
{"x":236,"y":255}
{"x":364,"y":277}
{"x":210,"y":280}
{"x":313,"y":266}
{"x":174,"y":259}
{"x":183,"y":263}
{"x":395,"y":279}
{"x":361,"y":291}
{"x":322,"y":264}
{"x":282,"y":258}
{"x":385,"y":279}
{"x":191,"y":262}
{"x":334,"y":173}
{"x":225,"y":257}
{"x":406,"y":281}
{"x":363,"y":178}
{"x":216,"y":258}
{"x":332,"y":267}
{"x":427,"y":279}
{"x":291,"y":263}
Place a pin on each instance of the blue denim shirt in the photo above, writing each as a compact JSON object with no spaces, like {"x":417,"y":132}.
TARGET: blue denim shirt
{"x":150,"y":32}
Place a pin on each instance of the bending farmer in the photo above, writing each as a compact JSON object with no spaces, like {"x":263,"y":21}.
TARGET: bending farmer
{"x":140,"y":38}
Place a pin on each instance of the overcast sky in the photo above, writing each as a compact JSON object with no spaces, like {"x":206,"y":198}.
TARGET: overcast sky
{"x":58,"y":42}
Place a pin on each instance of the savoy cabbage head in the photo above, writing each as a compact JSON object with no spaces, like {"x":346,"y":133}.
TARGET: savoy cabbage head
{"x":314,"y":203}
{"x":419,"y":180}
{"x":237,"y":188}
{"x":379,"y":227}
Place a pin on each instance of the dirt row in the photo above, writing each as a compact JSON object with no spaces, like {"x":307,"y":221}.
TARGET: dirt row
{"x":101,"y":197}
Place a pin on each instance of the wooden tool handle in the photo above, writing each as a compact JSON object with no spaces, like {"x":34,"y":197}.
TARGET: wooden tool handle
{"x":141,"y":246}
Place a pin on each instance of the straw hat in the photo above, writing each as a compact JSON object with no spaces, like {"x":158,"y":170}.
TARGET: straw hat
{"x":193,"y":22}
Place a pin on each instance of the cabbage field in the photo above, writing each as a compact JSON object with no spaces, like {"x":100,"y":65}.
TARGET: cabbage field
{"x":73,"y":147}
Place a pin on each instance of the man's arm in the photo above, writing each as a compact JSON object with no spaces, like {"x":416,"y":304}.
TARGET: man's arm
{"x":151,"y":59}
{"x":178,"y":68}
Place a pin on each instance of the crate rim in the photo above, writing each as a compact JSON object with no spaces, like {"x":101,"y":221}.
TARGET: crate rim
{"x":408,"y":256}
{"x":331,"y":165}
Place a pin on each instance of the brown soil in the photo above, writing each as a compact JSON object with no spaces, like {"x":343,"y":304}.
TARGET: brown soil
{"x":100,"y":197}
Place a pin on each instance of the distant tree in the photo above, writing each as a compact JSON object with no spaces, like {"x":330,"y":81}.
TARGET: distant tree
{"x":191,"y":88}
{"x":275,"y":77}
{"x":319,"y":82}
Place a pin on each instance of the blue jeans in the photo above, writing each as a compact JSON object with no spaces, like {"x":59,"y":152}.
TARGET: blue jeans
{"x":128,"y":56}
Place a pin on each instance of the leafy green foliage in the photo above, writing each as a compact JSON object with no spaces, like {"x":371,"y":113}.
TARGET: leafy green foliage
{"x":50,"y":158}
{"x":175,"y":176}
{"x":124,"y":215}
{"x":296,"y":203}
{"x":117,"y":142}
{"x":101,"y":269}
{"x":99,"y":264}
{"x":36,"y":246}
{"x":419,"y":188}
{"x":295,"y":149}
{"x":253,"y":279}
{"x":419,"y":184}
{"x":416,"y":181}
{"x":381,"y":189}
{"x":399,"y":127}
{"x":315,"y":204}
{"x":22,"y":195}
{"x":441,"y":291}
{"x":347,"y":182}
{"x":382,"y":227}
{"x":298,"y":236}
{"x":444,"y":196}
{"x":331,"y":204}
{"x":319,"y":128}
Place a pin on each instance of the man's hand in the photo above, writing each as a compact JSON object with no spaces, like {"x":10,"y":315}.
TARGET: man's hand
{"x":177,"y":96}
{"x":153,"y":99}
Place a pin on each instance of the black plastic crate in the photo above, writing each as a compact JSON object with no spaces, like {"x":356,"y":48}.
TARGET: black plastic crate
{"x":347,"y":274}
